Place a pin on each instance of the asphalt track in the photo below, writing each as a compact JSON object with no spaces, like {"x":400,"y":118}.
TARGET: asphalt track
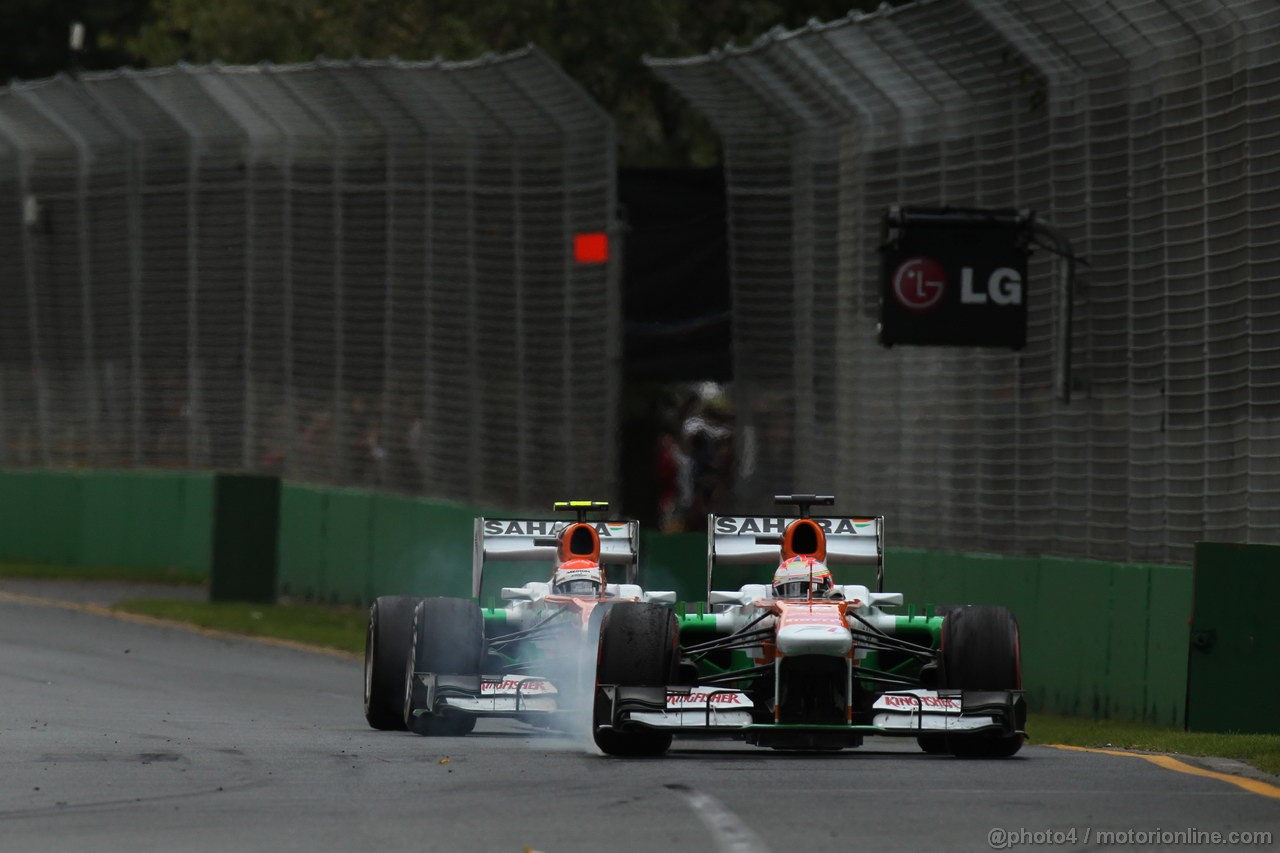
{"x":122,"y":736}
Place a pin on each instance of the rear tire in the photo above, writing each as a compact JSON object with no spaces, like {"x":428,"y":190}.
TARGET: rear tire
{"x":639,"y":647}
{"x":980,"y":651}
{"x":447,"y":638}
{"x":386,"y":649}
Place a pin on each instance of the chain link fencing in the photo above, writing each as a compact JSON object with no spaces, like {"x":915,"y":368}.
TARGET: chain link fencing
{"x":353,"y":273}
{"x":1148,"y":131}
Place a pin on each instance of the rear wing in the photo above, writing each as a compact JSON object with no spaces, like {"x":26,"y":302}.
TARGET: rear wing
{"x":531,"y":539}
{"x":737,"y":540}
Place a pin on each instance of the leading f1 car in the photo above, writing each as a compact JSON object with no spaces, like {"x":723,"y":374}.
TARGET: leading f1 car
{"x":804,"y":663}
{"x":436,"y":665}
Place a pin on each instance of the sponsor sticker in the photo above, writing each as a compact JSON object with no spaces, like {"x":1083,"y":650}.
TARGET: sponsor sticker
{"x":514,"y":684}
{"x":731,"y":525}
{"x":916,"y":700}
{"x":700,"y":697}
{"x":545,"y":527}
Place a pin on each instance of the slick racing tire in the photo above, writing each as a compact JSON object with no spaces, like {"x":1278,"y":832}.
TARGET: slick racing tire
{"x":639,"y":646}
{"x":386,"y":650}
{"x":446,"y":638}
{"x":585,"y":678}
{"x":980,"y":651}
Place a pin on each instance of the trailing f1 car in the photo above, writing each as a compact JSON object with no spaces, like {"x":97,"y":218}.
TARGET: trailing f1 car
{"x":805,"y":663}
{"x":434,"y":665}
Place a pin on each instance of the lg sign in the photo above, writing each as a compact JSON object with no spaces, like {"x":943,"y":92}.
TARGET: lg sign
{"x":954,"y":277}
{"x":920,"y":283}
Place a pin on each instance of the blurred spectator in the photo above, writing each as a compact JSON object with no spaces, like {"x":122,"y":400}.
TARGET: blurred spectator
{"x":316,"y":456}
{"x":367,"y":454}
{"x":405,"y":449}
{"x":275,"y":440}
{"x":695,"y":462}
{"x":674,"y":483}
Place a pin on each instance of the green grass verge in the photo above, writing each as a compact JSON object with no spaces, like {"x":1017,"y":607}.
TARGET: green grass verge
{"x":1262,"y":751}
{"x":19,"y":570}
{"x":322,"y":625}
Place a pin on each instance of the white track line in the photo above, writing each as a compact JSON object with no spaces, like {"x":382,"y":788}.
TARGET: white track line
{"x":728,"y":831}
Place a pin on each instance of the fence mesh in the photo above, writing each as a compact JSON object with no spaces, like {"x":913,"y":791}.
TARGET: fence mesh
{"x":351,"y":273}
{"x":1147,"y":131}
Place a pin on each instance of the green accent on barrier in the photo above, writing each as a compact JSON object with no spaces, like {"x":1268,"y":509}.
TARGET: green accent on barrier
{"x":139,"y":519}
{"x":1234,"y":645}
{"x":1099,"y":639}
{"x":1125,"y":687}
{"x":1168,"y":632}
{"x":674,"y":561}
{"x":349,"y":546}
{"x":303,"y":559}
{"x":245,"y":526}
{"x":401,"y":549}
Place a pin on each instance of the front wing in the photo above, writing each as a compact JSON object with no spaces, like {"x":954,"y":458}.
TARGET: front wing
{"x":721,"y":711}
{"x":488,"y":695}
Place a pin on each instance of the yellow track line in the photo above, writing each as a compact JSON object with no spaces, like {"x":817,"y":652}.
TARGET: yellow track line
{"x":155,"y":622}
{"x":1253,"y":786}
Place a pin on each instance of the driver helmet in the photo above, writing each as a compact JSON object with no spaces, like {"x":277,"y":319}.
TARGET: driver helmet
{"x":793,"y":577}
{"x":577,"y":577}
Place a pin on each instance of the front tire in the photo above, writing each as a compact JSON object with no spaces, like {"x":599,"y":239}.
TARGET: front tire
{"x":639,"y":647}
{"x":981,"y":651}
{"x":386,"y":650}
{"x":446,"y":638}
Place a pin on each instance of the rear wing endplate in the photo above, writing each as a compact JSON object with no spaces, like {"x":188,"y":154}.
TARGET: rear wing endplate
{"x":851,"y":540}
{"x":527,"y":539}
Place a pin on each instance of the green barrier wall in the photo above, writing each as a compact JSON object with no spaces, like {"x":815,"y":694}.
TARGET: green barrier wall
{"x":1098,"y":639}
{"x":350,"y":546}
{"x":108,"y":518}
{"x":1234,"y":643}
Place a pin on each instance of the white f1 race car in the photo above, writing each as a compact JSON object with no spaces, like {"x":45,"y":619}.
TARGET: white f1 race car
{"x":435,"y":665}
{"x":804,"y":663}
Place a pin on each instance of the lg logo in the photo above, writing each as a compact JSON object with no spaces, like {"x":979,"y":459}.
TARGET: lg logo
{"x":920,"y":283}
{"x":1004,"y":287}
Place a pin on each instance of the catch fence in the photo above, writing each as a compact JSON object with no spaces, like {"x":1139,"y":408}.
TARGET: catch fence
{"x":355,"y":273}
{"x":1148,"y":131}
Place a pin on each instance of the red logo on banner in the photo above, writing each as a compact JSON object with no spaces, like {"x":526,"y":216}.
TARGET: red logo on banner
{"x":919,"y":283}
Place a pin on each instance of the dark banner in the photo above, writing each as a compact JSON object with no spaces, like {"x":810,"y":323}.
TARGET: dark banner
{"x":675,"y":275}
{"x":954,"y":278}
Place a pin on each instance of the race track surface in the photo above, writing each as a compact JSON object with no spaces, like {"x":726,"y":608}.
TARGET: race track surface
{"x":117,"y":736}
